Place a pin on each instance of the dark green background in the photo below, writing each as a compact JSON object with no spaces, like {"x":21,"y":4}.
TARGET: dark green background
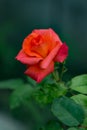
{"x":19,"y":17}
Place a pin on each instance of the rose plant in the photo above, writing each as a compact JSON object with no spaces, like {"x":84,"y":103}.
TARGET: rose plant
{"x":44,"y":55}
{"x":40,"y":50}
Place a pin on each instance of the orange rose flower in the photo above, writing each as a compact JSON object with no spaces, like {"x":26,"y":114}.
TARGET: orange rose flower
{"x":39,"y":51}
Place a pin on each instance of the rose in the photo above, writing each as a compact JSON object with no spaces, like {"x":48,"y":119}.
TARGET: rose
{"x":39,"y":51}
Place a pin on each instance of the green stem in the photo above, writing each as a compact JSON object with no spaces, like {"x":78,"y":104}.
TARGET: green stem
{"x":63,"y":70}
{"x":56,"y":76}
{"x":59,"y":72}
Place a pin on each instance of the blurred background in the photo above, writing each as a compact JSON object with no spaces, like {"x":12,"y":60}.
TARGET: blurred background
{"x":17,"y":19}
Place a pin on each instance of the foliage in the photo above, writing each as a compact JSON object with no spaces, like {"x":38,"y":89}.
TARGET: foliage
{"x":67,"y":111}
{"x":67,"y":101}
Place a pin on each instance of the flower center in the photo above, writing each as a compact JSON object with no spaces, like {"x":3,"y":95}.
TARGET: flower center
{"x":36,"y":41}
{"x":38,"y":46}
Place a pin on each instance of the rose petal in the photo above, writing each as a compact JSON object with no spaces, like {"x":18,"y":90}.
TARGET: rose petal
{"x":49,"y":36}
{"x":45,"y":63}
{"x":54,"y":35}
{"x":27,"y":45}
{"x":25,"y":59}
{"x":41,"y":49}
{"x":40,"y":42}
{"x":62,"y":53}
{"x":50,"y":32}
{"x":37,"y":73}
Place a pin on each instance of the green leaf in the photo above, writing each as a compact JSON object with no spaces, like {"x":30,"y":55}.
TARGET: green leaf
{"x":79,"y":84}
{"x":82,"y":100}
{"x":61,"y":89}
{"x":52,"y":125}
{"x":67,"y":111}
{"x":85,"y":123}
{"x":73,"y":128}
{"x":11,"y":84}
{"x":49,"y":92}
{"x":31,"y":81}
{"x":19,"y":95}
{"x":82,"y":129}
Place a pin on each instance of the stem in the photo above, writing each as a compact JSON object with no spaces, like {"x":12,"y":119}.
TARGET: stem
{"x":63,"y":70}
{"x":56,"y":76}
{"x":59,"y":71}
